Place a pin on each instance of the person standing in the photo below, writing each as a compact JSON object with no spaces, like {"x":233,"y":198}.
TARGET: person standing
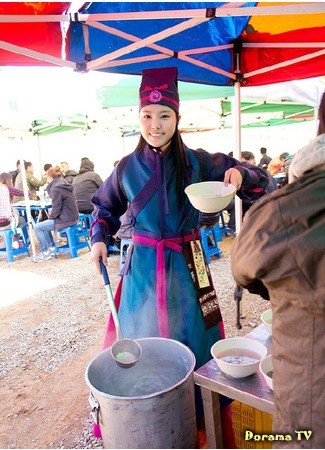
{"x":265,"y":160}
{"x":85,"y":184}
{"x":68,"y":174}
{"x":160,"y":292}
{"x":280,"y":255}
{"x":14,"y":173}
{"x":32,"y":182}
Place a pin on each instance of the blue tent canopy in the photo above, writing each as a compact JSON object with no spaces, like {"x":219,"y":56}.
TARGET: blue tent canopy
{"x":216,"y":43}
{"x":195,"y":35}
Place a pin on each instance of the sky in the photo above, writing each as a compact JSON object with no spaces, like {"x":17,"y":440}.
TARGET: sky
{"x":28,"y":92}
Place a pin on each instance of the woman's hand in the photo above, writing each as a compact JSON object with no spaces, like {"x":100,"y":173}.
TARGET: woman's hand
{"x":99,"y":250}
{"x":234,"y":177}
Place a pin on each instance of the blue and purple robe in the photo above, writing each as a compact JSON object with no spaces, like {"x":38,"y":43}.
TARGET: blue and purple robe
{"x":158,"y":217}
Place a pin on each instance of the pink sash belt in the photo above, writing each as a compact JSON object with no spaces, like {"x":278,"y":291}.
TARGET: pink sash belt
{"x":173,"y":244}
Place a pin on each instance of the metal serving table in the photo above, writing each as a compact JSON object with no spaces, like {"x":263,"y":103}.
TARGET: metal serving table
{"x":252,"y":390}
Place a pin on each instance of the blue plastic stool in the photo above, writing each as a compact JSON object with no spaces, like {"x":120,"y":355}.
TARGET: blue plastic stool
{"x":211,"y":249}
{"x":125,"y":243}
{"x":88,"y":218}
{"x":77,"y":237}
{"x":223,"y":227}
{"x":8,"y":250}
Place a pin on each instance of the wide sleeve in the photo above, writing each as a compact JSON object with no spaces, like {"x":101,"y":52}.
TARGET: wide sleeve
{"x":213,"y":168}
{"x":255,"y":179}
{"x":109,"y":203}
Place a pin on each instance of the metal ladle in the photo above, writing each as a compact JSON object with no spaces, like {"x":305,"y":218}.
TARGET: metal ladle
{"x":126,"y":352}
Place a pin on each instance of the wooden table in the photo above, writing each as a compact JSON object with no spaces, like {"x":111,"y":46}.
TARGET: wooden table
{"x":252,"y":390}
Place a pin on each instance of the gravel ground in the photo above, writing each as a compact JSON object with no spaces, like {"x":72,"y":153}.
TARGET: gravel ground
{"x":52,"y":327}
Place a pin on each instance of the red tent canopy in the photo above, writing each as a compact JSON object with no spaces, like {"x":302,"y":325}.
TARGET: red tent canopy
{"x":20,"y":36}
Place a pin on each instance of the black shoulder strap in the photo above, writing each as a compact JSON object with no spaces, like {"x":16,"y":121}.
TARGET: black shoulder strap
{"x":120,"y":171}
{"x":202,"y":158}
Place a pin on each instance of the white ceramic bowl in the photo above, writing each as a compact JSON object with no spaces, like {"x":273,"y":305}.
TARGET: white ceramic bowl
{"x":266,"y":366}
{"x":210,"y":196}
{"x":266,"y":318}
{"x":240,"y":356}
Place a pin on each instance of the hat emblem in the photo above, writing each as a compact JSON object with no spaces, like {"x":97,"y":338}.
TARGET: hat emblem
{"x":155,"y":96}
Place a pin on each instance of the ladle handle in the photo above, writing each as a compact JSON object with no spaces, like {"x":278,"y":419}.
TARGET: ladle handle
{"x":104,"y":272}
{"x":111,"y":302}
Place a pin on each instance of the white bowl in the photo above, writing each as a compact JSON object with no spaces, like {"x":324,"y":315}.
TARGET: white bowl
{"x":266,"y":318}
{"x":210,"y":196}
{"x":266,"y":366}
{"x":240,"y":356}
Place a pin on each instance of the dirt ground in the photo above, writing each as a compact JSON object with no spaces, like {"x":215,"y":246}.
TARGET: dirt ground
{"x":46,"y":405}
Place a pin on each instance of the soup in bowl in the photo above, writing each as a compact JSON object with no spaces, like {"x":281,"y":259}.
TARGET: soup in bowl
{"x":238,"y":357}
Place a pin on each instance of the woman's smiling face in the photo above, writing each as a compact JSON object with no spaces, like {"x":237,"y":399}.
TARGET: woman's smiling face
{"x":158,"y":124}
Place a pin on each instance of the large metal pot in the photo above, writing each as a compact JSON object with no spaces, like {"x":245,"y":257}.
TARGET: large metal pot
{"x":149,"y":405}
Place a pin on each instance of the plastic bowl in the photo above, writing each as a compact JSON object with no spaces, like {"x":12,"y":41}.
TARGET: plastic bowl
{"x":240,"y":356}
{"x":266,"y":366}
{"x":210,"y":196}
{"x":266,"y":318}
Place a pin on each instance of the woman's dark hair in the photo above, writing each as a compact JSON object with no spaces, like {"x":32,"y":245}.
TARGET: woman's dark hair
{"x":321,"y":116}
{"x":181,"y":169}
{"x":5,"y":178}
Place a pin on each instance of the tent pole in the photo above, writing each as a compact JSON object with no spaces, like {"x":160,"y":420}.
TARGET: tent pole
{"x":237,"y":152}
{"x":39,"y":154}
{"x":28,"y":210}
{"x":14,"y":110}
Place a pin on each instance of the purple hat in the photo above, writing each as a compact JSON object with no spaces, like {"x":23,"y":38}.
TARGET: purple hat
{"x":159,"y":86}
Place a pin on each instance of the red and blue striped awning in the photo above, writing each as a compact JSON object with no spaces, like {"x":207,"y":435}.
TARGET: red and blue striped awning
{"x":212,"y":43}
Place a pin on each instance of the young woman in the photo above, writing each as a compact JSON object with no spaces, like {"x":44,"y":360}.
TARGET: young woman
{"x":160,"y":292}
{"x":9,"y":216}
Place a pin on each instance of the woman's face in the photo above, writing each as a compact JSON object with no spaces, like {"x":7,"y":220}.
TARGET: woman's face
{"x":157,"y":124}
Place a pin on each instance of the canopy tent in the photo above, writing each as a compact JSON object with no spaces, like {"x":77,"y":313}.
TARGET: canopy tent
{"x":43,"y":127}
{"x":268,"y":113}
{"x":126,"y":92}
{"x":215,"y":43}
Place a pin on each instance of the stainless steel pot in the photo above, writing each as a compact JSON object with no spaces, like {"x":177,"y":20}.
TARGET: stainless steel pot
{"x":150,"y":405}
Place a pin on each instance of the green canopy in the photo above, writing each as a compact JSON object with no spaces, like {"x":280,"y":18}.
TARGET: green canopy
{"x":43,"y":127}
{"x":269,"y":113}
{"x":125,"y":92}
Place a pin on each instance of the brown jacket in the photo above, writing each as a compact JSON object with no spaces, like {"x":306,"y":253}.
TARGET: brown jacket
{"x":281,"y":250}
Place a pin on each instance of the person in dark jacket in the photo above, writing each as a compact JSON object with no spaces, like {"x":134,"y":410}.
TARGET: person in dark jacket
{"x":14,"y":173}
{"x":265,"y":160}
{"x":68,"y":174}
{"x":85,"y":184}
{"x":64,"y":212}
{"x":280,"y":255}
